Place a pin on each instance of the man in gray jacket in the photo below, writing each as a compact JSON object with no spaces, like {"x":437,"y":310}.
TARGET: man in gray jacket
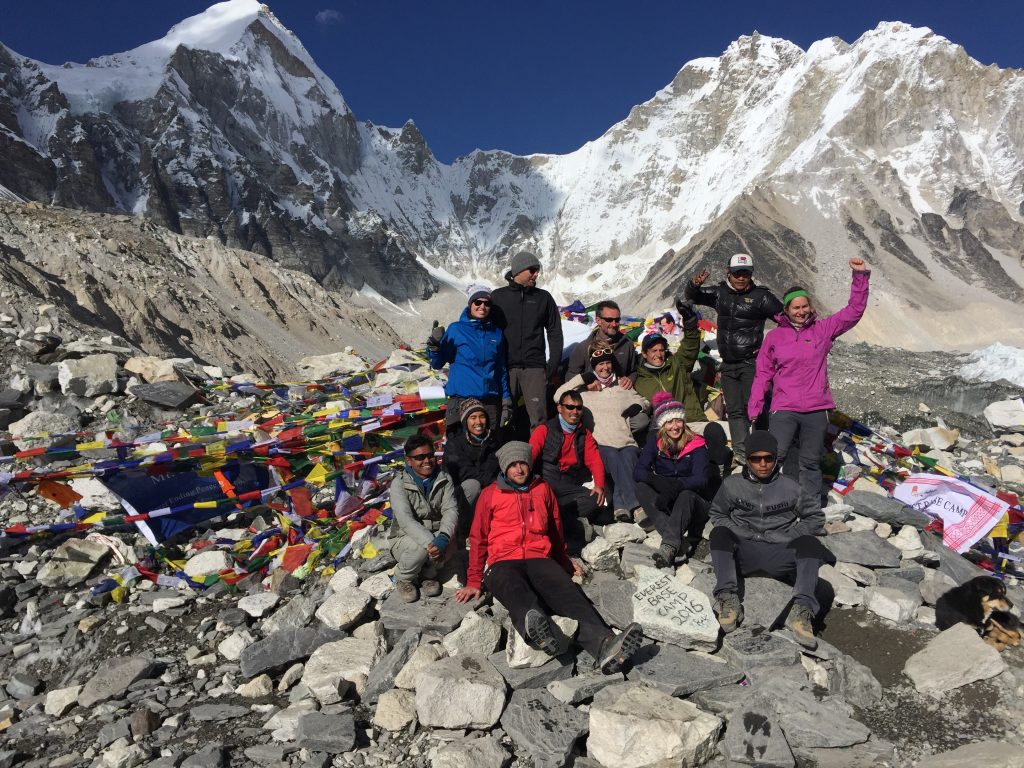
{"x":426,"y":516}
{"x":764,"y":524}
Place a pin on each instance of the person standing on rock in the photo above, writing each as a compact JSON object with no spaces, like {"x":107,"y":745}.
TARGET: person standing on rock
{"x":565,"y":454}
{"x":615,"y":413}
{"x":470,"y":458}
{"x":743,"y":308}
{"x":517,"y":551}
{"x":794,"y":361}
{"x":426,"y":518}
{"x":608,"y":318}
{"x":474,"y":349}
{"x":526,"y":313}
{"x":764,"y":524}
{"x":673,"y":475}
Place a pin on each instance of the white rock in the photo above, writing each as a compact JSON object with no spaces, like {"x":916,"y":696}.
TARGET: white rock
{"x":460,"y":692}
{"x":257,"y":688}
{"x":395,"y":710}
{"x":283,"y":724}
{"x":332,"y":665}
{"x":601,"y":554}
{"x":425,"y":655}
{"x":859,"y":573}
{"x":322,"y":366}
{"x":60,"y":701}
{"x":208,"y":561}
{"x":475,"y":635}
{"x":925,"y":614}
{"x":521,"y":655}
{"x":291,"y":676}
{"x":258,"y":604}
{"x":632,"y":726}
{"x":121,"y":754}
{"x":890,"y":604}
{"x":846,"y":590}
{"x":483,"y":752}
{"x":685,"y":573}
{"x":35,"y":429}
{"x":344,"y":579}
{"x":95,"y":495}
{"x":1006,"y":415}
{"x":857,"y":522}
{"x":342,"y":610}
{"x":673,"y":612}
{"x":152,"y":369}
{"x":934,"y":437}
{"x":369,"y":630}
{"x":377,"y":586}
{"x":954,"y":657}
{"x":883,"y":530}
{"x":88,"y":376}
{"x":231,"y":647}
{"x":622,"y":533}
{"x":908,"y":541}
{"x":1012,"y":473}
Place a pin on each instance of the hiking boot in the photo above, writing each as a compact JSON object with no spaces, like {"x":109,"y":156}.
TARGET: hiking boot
{"x":665,"y":557}
{"x":407,"y":591}
{"x":801,"y":623}
{"x":430,"y":587}
{"x":616,"y":650}
{"x":729,"y":610}
{"x":623,"y":515}
{"x":540,"y":633}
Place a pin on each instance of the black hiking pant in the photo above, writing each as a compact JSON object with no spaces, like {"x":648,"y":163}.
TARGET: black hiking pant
{"x":685,"y":516}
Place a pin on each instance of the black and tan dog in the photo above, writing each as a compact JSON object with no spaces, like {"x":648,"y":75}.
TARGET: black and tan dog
{"x":981,"y":603}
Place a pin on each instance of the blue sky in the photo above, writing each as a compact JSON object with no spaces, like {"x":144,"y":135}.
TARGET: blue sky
{"x":524,"y":76}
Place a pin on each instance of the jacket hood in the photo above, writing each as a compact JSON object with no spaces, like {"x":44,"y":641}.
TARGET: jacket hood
{"x":690,"y":447}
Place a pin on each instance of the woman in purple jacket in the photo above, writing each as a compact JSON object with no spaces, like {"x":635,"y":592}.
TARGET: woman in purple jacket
{"x":794,"y":360}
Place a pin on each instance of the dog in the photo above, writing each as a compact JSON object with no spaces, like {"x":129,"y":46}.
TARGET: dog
{"x":1002,"y":630}
{"x":972,"y":603}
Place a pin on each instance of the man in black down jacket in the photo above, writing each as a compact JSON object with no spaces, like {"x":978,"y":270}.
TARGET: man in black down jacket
{"x":742,"y":309}
{"x":470,"y":457}
{"x":525,"y":313}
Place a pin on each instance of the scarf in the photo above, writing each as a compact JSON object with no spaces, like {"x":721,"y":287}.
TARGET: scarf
{"x":566,"y":426}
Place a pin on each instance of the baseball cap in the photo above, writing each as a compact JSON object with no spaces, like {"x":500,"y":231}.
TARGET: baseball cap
{"x":741,"y":261}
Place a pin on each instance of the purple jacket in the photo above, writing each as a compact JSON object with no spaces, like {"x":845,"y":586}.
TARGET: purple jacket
{"x":795,"y":361}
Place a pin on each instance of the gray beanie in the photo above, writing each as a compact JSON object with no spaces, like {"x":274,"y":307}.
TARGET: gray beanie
{"x":513,"y":451}
{"x":523,"y":260}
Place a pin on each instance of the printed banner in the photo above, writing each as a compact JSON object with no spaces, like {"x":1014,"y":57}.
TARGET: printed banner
{"x":967,"y":513}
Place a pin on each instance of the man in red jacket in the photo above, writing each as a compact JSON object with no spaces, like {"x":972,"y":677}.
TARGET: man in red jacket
{"x":517,"y":534}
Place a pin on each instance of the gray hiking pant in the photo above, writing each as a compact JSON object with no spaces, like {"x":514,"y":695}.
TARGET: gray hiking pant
{"x":413,"y":562}
{"x":805,"y":433}
{"x":532,"y":385}
{"x":796,"y":563}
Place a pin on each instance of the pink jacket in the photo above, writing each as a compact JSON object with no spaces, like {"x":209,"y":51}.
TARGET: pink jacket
{"x":795,"y":361}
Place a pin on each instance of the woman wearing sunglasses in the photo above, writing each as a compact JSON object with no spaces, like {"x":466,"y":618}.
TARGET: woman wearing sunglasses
{"x":474,"y":349}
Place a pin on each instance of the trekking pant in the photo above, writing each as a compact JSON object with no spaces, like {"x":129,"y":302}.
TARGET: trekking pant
{"x":807,"y":432}
{"x":466,"y":494}
{"x":737,"y":379}
{"x":619,"y":463}
{"x":491,"y":404}
{"x":574,"y":500}
{"x":413,"y":561}
{"x":687,"y":515}
{"x":543,"y":584}
{"x":532,"y":385}
{"x":796,"y":563}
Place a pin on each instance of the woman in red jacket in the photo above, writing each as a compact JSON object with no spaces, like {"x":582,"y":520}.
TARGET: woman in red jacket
{"x":517,"y":534}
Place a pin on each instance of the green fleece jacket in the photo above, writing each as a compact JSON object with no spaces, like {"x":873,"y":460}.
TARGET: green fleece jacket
{"x":674,"y":376}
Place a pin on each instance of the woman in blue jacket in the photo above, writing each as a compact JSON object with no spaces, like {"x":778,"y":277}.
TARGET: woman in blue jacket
{"x":474,"y":349}
{"x":672,"y":477}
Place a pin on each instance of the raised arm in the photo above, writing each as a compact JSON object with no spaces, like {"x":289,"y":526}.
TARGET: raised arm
{"x":847,"y":317}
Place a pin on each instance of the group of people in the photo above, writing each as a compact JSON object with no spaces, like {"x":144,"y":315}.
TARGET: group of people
{"x":628,"y":440}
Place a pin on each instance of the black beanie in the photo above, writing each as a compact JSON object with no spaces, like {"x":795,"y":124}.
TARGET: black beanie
{"x":761,"y":441}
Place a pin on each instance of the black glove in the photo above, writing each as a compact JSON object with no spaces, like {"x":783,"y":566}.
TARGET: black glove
{"x":687,"y":313}
{"x":436,"y":334}
{"x":589,"y":377}
{"x":506,"y":413}
{"x":632,"y":411}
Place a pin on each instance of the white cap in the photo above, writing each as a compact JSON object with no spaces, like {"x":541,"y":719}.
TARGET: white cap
{"x":741,"y":261}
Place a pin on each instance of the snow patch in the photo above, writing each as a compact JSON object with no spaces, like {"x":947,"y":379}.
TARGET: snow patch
{"x":996,"y":362}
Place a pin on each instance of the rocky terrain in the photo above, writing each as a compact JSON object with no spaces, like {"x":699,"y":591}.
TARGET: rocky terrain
{"x":897,"y":147}
{"x":324,"y":666}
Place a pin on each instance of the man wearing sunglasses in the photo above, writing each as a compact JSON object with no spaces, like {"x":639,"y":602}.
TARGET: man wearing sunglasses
{"x":526,"y":314}
{"x":567,"y":456}
{"x":742,"y":310}
{"x":426,"y":517}
{"x":608,"y":318}
{"x":764,"y":525}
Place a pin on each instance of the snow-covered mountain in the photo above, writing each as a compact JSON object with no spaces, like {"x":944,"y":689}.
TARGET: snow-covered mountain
{"x":898,"y":147}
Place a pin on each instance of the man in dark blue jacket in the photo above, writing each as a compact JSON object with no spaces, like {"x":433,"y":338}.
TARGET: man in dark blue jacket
{"x":742,"y":309}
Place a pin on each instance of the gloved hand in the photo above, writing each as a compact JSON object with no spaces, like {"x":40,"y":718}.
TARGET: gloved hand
{"x":687,"y":313}
{"x":668,"y":491}
{"x":632,"y":411}
{"x":506,"y":413}
{"x":434,"y":340}
{"x":441,"y":542}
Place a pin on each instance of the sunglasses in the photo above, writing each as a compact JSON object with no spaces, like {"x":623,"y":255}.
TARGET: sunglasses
{"x":481,"y":303}
{"x":421,"y":457}
{"x":741,"y":273}
{"x":610,"y":319}
{"x":602,"y":353}
{"x":570,"y":407}
{"x":761,"y":459}
{"x":533,"y":270}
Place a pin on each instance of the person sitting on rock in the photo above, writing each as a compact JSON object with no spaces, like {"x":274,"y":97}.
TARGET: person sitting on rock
{"x":566,"y":456}
{"x":763,"y":523}
{"x":672,"y":476}
{"x":470,"y":459}
{"x":517,"y":551}
{"x":426,"y":518}
{"x":614,"y":414}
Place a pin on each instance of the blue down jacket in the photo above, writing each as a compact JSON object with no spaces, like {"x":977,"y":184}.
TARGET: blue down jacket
{"x":475,"y":352}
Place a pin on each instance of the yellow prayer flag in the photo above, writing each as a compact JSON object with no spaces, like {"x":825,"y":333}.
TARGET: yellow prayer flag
{"x":318,"y":476}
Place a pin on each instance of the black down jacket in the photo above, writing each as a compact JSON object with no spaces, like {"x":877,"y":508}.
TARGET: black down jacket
{"x":741,"y":316}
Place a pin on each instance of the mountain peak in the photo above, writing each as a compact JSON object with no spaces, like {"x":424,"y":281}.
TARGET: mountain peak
{"x":218,"y":29}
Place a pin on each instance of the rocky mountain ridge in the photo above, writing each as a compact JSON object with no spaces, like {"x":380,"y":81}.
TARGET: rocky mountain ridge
{"x":898,"y":147}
